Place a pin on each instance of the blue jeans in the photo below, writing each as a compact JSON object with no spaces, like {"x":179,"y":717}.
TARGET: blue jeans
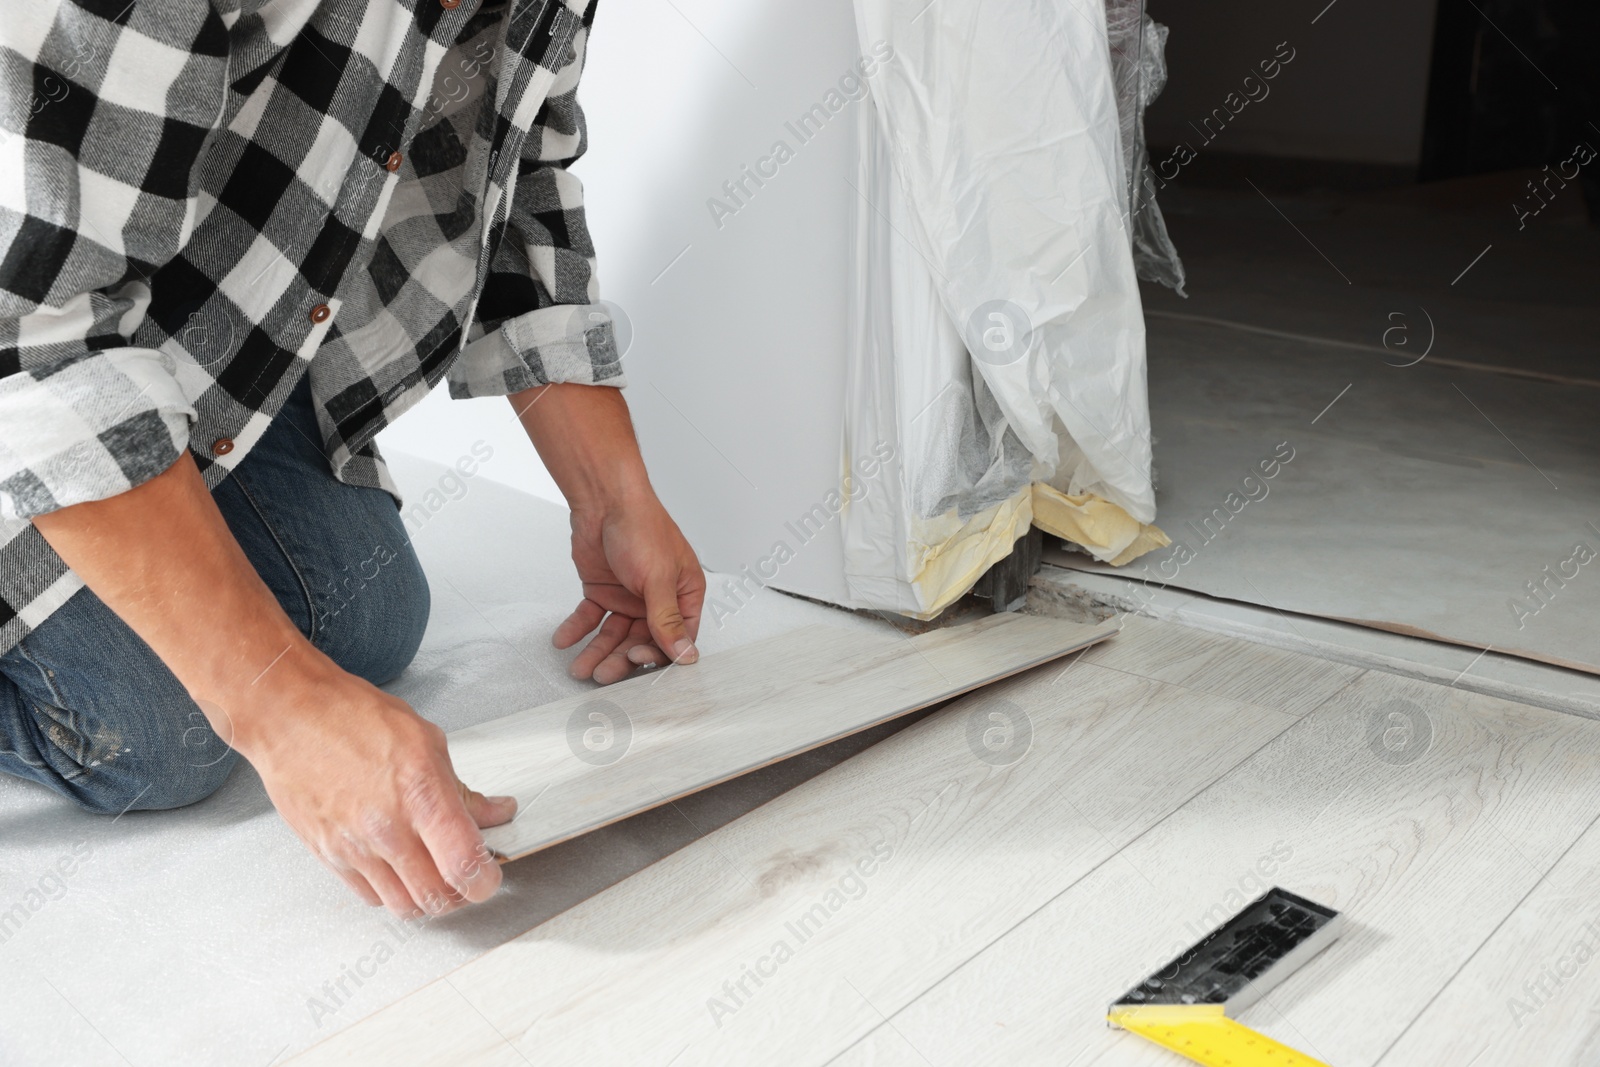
{"x":88,"y":710}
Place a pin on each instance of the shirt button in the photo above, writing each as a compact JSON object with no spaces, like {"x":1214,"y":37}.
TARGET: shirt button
{"x":320,"y":313}
{"x":392,"y":164}
{"x":449,"y":5}
{"x":222,"y":446}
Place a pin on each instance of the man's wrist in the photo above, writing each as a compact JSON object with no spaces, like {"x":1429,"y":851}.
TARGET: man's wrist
{"x":248,"y":713}
{"x":611,"y":487}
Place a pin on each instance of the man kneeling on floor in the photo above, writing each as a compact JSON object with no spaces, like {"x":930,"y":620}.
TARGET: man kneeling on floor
{"x":236,"y":241}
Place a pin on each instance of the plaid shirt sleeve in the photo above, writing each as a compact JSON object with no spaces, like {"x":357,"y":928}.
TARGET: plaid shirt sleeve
{"x":101,"y":120}
{"x":539,"y":319}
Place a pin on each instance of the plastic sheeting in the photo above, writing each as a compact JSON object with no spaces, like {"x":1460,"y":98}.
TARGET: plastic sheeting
{"x":1139,"y":71}
{"x":998,"y":350}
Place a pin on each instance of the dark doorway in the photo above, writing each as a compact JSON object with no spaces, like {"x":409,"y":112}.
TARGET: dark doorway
{"x":1513,"y":84}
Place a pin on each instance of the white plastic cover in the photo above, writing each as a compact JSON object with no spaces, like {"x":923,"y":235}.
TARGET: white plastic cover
{"x":999,"y":339}
{"x":1139,"y":69}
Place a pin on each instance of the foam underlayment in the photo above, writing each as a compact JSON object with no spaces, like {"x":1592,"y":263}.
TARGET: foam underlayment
{"x":210,"y":935}
{"x":1453,"y":504}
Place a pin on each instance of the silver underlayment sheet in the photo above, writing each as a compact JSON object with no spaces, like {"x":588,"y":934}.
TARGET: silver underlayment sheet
{"x":1423,"y":496}
{"x":1435,"y":501}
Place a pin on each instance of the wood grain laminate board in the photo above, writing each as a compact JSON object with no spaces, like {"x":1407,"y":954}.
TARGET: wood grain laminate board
{"x":580,"y":763}
{"x":783,"y":936}
{"x":1225,"y":666}
{"x":1426,"y":849}
{"x":1531,"y":991}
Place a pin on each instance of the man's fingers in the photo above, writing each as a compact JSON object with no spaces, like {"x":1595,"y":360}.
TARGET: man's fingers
{"x":666,"y":623}
{"x":488,"y":811}
{"x":619,"y":664}
{"x":354,"y":880}
{"x":388,"y":886}
{"x":646,"y":654}
{"x":691,"y":599}
{"x":584,"y":618}
{"x":426,"y":881}
{"x":456,"y":845}
{"x":611,"y":634}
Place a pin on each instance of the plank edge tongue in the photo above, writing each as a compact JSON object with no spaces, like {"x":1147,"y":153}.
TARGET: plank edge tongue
{"x":693,"y":732}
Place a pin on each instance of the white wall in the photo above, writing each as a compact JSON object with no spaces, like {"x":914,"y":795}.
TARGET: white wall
{"x":445,"y":430}
{"x":736,"y":365}
{"x":1355,"y":91}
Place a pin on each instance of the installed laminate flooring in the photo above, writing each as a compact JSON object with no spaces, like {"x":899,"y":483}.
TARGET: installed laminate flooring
{"x":1427,"y":857}
{"x":583,"y":762}
{"x":952,"y":896}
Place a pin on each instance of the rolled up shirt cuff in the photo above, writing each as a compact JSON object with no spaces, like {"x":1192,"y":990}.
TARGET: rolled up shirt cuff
{"x":565,"y":343}
{"x":88,"y":428}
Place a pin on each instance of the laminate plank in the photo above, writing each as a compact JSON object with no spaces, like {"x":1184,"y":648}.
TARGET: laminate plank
{"x":1226,"y":666}
{"x":785,"y":935}
{"x":1530,"y":991}
{"x":1426,"y":850}
{"x":1159,"y":650}
{"x":580,"y":763}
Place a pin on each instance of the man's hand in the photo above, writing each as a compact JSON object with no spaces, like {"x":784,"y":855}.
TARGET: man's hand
{"x":642,"y":585}
{"x":367,"y":784}
{"x":636,"y":566}
{"x":359,"y":776}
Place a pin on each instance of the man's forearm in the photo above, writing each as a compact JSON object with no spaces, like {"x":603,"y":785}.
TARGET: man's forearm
{"x":585,"y":437}
{"x":162,"y":558}
{"x":642,"y":585}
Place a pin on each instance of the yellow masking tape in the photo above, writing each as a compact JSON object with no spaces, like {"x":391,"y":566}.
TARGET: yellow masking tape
{"x":947,"y":555}
{"x":1110,"y":534}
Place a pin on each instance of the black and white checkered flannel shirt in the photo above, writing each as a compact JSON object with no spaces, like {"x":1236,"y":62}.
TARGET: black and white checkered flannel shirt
{"x":200,"y":200}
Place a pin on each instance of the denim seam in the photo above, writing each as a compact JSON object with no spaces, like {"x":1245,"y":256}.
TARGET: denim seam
{"x":58,"y":700}
{"x":294,"y":568}
{"x":44,"y":675}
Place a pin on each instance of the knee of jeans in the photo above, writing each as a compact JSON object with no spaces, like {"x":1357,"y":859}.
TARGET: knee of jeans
{"x":111,"y":727}
{"x":379,"y":625}
{"x":171,"y":776}
{"x":182,"y":781}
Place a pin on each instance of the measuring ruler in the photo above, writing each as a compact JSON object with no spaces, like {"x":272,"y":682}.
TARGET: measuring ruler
{"x":1205,"y":1035}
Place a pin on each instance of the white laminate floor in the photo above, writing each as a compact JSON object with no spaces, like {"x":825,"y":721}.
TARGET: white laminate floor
{"x":922,"y":903}
{"x":990,"y":876}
